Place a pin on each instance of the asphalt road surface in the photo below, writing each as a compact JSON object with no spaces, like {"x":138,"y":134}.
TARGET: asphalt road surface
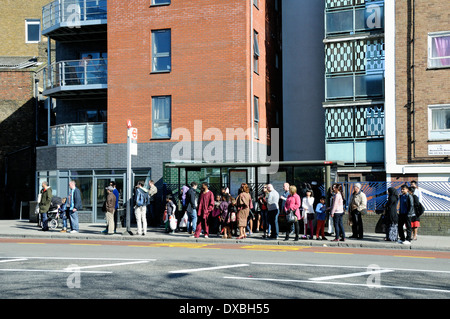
{"x":64,"y":269}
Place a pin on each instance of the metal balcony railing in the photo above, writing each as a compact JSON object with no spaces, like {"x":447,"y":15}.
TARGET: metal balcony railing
{"x":73,"y":13}
{"x":76,"y":73}
{"x":78,"y":134}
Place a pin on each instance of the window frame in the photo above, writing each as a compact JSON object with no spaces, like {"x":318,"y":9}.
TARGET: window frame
{"x":29,"y":22}
{"x":153,"y":4}
{"x":256,"y":52}
{"x":155,"y":54}
{"x":159,"y":121}
{"x":256,"y":116}
{"x":430,"y":58}
{"x":431,"y":131}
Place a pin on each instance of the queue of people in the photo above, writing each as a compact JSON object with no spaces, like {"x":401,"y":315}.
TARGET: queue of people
{"x":242,"y":216}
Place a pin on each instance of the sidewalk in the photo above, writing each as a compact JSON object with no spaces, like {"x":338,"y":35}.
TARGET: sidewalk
{"x":25,"y":229}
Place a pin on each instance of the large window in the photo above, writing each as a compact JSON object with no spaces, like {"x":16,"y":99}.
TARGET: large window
{"x":439,"y":50}
{"x":161,"y":51}
{"x":161,"y":121}
{"x":439,"y":122}
{"x":32,"y":31}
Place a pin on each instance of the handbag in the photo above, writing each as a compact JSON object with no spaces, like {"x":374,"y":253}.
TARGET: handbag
{"x":380,"y":227}
{"x":290,"y":216}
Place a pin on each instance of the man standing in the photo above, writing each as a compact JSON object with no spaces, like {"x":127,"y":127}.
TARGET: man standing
{"x":116,"y":208}
{"x":191,"y":208}
{"x":152,"y":190}
{"x":44,"y":204}
{"x":358,"y":207}
{"x":74,"y":205}
{"x":273,"y":210}
{"x":405,"y":213}
{"x":110,"y":207}
{"x":141,"y":200}
{"x":205,"y":207}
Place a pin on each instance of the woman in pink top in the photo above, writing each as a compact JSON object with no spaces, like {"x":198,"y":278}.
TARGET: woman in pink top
{"x":337,"y":212}
{"x":293,"y":203}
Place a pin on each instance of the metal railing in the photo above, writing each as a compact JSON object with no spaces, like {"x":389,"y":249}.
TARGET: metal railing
{"x":78,"y":134}
{"x":76,"y":72}
{"x":73,"y":12}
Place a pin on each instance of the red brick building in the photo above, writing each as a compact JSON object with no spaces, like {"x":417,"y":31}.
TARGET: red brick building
{"x":186,"y":71}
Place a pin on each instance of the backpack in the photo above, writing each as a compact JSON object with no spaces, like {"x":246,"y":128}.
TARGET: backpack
{"x":418,"y":207}
{"x":140,"y":199}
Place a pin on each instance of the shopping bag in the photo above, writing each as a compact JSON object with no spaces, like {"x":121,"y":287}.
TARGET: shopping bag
{"x":184,"y":221}
{"x":380,"y":227}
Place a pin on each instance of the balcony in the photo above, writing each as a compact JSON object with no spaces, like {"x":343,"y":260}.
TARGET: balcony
{"x":76,"y":78}
{"x":78,"y":134}
{"x":69,"y":20}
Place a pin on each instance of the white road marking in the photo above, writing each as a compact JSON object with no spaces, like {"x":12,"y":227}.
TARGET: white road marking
{"x":10,"y":260}
{"x":55,"y":270}
{"x":205,"y":269}
{"x":354,"y":267}
{"x":338,"y":283}
{"x":357,"y":274}
{"x":107,"y":265}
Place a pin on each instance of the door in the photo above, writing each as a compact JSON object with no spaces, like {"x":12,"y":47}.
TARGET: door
{"x":100,"y":195}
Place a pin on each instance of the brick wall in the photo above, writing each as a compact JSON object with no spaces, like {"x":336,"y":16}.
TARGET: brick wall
{"x":210,"y":72}
{"x":12,"y":20}
{"x":429,"y":86}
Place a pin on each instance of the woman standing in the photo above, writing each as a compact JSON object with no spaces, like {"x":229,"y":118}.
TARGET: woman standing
{"x":390,"y":215}
{"x":293,"y":203}
{"x":244,"y":204}
{"x":308,"y":212}
{"x":337,"y":212}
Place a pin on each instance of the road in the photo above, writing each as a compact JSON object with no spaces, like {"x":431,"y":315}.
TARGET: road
{"x":76,"y":269}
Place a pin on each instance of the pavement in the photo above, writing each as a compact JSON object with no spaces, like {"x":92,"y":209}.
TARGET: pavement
{"x":26,"y":229}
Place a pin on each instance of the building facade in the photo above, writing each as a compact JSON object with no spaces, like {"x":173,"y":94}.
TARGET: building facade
{"x":354,"y":87}
{"x":22,"y":54}
{"x":418,"y":91}
{"x":194,"y":77}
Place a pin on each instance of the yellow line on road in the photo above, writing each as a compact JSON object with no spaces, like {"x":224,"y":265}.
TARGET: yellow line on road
{"x":414,"y":257}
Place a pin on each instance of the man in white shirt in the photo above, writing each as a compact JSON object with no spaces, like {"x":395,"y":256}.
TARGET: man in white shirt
{"x":273,"y":210}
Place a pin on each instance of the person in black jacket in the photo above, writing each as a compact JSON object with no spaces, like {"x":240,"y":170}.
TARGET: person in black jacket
{"x":390,"y":215}
{"x":191,"y":208}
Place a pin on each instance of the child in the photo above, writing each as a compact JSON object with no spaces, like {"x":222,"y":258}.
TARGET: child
{"x":227,"y":218}
{"x":170,"y":209}
{"x":308,"y":212}
{"x":214,"y":217}
{"x":62,"y":213}
{"x":321,"y":216}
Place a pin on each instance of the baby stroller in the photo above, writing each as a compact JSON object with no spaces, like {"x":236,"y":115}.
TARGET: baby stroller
{"x":53,"y":212}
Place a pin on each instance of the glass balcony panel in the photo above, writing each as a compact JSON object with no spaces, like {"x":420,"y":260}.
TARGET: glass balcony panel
{"x":76,"y":72}
{"x":339,"y":87}
{"x":73,"y":12}
{"x":369,"y":85}
{"x":339,"y":21}
{"x":78,"y":134}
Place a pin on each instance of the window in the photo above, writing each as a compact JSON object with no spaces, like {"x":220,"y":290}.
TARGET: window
{"x":32,"y":31}
{"x":161,"y":48}
{"x":161,"y":125}
{"x":256,"y":116}
{"x":439,"y":50}
{"x":159,"y":2}
{"x":256,"y":53}
{"x":439,"y":122}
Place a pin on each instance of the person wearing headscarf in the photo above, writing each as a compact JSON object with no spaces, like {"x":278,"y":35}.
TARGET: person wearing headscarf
{"x":390,"y":215}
